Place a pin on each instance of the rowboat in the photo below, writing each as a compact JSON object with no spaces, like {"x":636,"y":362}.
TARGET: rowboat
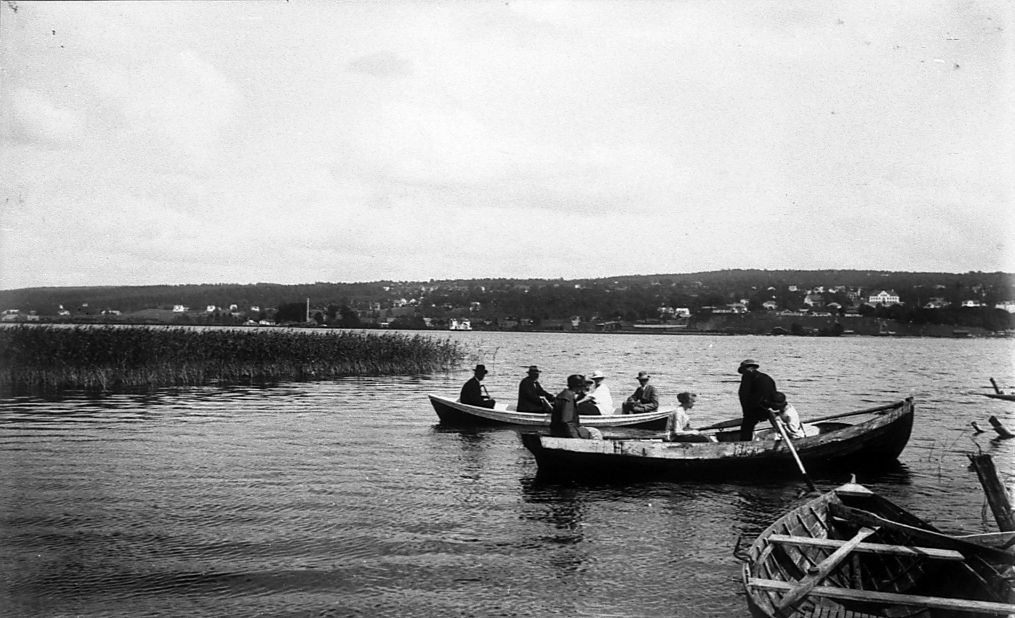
{"x":851,"y":552}
{"x":835,"y":446}
{"x":453,"y":412}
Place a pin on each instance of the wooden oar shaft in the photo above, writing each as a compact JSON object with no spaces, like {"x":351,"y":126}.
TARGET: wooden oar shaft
{"x":866,"y":518}
{"x":889,"y":406}
{"x":736,"y":422}
{"x":792,"y":449}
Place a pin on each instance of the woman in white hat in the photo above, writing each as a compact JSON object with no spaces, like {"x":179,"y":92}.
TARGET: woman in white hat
{"x":597,"y":400}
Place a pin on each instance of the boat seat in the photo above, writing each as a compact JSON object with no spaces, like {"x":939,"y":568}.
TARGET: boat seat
{"x":870,"y":548}
{"x":837,"y":611}
{"x":874,"y":596}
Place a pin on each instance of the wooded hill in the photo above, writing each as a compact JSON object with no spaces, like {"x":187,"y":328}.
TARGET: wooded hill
{"x":625,"y":297}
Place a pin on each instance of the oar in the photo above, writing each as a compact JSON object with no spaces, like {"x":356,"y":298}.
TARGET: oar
{"x":792,"y":449}
{"x":935,"y":539}
{"x":736,"y":422}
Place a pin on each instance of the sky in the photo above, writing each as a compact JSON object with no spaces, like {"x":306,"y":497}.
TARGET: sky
{"x":148,"y":143}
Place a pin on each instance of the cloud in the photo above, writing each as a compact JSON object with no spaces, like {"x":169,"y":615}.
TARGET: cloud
{"x":35,"y":118}
{"x":381,"y":64}
{"x":177,"y":101}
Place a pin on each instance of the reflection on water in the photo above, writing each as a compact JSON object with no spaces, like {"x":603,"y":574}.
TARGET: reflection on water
{"x":347,"y":498}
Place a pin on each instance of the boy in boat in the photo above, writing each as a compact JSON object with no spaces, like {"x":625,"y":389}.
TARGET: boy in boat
{"x":678,"y":420}
{"x":564,"y":422}
{"x":532,"y":397}
{"x":787,"y":415}
{"x":474,"y":393}
{"x":644,"y":398}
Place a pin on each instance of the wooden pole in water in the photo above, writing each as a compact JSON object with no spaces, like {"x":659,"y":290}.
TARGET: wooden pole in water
{"x":993,"y":487}
{"x":1000,"y":429}
{"x":996,"y":389}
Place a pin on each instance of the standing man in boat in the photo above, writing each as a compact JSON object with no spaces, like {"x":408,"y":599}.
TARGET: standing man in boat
{"x":531,"y":395}
{"x":756,"y":390}
{"x":564,"y":421}
{"x":474,"y":393}
{"x":644,"y":399}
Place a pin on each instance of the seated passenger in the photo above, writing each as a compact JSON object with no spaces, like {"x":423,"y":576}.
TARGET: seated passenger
{"x":564,"y":421}
{"x":644,"y":398}
{"x":531,"y":395}
{"x":787,"y":415}
{"x":474,"y":393}
{"x":601,"y":394}
{"x":678,"y":420}
{"x":587,"y":401}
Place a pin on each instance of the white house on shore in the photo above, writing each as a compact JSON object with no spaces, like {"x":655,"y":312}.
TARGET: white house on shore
{"x":884,"y":297}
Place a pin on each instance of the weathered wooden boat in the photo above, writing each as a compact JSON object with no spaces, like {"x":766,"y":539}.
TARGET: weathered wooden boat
{"x":851,"y":552}
{"x":454,"y":412}
{"x":837,"y":446}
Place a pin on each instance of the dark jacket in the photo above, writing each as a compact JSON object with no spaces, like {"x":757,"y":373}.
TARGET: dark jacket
{"x":644,"y":399}
{"x":756,"y":389}
{"x":472,"y":394}
{"x":564,"y":421}
{"x":529,"y":393}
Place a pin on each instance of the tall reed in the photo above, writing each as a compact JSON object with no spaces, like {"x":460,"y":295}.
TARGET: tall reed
{"x":110,"y":358}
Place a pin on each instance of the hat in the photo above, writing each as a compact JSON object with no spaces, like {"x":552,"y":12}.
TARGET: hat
{"x":747,"y":363}
{"x":533,"y":369}
{"x":598,"y":375}
{"x":778,"y":399}
{"x":576,"y":380}
{"x":643,"y":375}
{"x":480,"y":369}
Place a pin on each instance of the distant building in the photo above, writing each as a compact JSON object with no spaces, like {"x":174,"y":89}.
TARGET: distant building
{"x":971,"y":303}
{"x":1008,"y":305}
{"x":936,"y":303}
{"x":180,"y":308}
{"x":884,"y":297}
{"x":814,"y":300}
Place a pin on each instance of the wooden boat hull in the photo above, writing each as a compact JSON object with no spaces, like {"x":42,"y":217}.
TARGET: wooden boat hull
{"x":891,"y":572}
{"x":453,"y":412}
{"x":1002,"y":396}
{"x":840,"y":447}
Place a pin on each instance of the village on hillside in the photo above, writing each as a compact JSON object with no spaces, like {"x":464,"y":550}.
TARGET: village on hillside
{"x":665,"y":304}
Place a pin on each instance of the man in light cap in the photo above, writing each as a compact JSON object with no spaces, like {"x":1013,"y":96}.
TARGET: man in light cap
{"x":599,"y":395}
{"x":756,"y":390}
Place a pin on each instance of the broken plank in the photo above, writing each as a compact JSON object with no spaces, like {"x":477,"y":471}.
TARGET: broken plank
{"x":871,"y":548}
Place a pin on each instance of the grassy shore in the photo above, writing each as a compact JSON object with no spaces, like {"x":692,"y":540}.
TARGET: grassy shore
{"x":47,"y":358}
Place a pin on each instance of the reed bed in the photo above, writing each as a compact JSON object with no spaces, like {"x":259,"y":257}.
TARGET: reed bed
{"x":45,"y":358}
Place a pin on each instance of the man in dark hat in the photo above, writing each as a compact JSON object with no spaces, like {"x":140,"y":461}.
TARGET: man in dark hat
{"x":756,"y":390}
{"x":474,"y":393}
{"x":564,"y":421}
{"x":531,"y":395}
{"x":644,"y":398}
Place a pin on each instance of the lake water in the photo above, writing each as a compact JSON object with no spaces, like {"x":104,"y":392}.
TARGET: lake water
{"x":346,"y":498}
